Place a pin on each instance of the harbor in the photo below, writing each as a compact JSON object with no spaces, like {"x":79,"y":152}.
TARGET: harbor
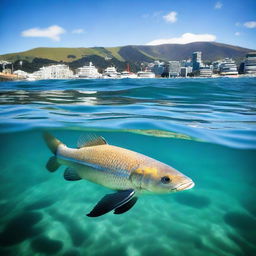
{"x":191,"y":68}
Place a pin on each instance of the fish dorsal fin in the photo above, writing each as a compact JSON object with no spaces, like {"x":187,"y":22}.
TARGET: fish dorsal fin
{"x":90,"y":140}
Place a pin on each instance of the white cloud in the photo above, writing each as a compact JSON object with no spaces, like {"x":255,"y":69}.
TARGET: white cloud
{"x":237,"y":34}
{"x":250,"y":24}
{"x":218,"y":5}
{"x":52,"y":32}
{"x":78,"y":31}
{"x":171,"y":17}
{"x":184,"y":39}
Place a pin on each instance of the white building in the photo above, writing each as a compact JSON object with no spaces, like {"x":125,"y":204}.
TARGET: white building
{"x":59,"y":71}
{"x":146,"y":74}
{"x":205,"y":72}
{"x":110,"y":72}
{"x":250,"y":63}
{"x":89,"y":71}
{"x":21,"y":73}
{"x":228,"y":68}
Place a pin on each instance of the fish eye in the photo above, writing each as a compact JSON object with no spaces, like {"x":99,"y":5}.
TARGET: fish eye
{"x":165,"y":180}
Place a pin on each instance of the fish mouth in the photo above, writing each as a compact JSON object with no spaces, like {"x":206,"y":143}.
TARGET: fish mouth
{"x":185,"y":186}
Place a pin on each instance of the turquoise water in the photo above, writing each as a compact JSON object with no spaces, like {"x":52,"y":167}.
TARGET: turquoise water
{"x":206,"y":128}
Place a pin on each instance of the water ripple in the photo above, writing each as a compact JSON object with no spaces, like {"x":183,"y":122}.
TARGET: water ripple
{"x":216,"y":110}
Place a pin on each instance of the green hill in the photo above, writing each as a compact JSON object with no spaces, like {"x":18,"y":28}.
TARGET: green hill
{"x":120,"y":56}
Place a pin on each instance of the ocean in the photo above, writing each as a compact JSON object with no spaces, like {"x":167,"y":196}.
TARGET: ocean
{"x":205,"y":128}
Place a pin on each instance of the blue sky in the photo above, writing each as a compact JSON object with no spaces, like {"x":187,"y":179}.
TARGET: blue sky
{"x":76,"y":23}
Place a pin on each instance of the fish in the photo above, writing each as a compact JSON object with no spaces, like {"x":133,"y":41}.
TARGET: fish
{"x":128,"y":173}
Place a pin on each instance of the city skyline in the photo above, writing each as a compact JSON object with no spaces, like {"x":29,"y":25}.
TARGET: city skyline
{"x":31,"y":24}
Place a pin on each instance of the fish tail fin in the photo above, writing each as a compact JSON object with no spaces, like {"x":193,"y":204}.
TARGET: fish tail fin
{"x":51,"y":142}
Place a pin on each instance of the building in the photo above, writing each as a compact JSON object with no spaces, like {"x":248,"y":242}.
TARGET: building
{"x":228,"y":68}
{"x":21,"y":73}
{"x":146,"y":74}
{"x":250,"y":63}
{"x":205,"y":72}
{"x":110,"y":72}
{"x":89,"y":71}
{"x":196,"y":60}
{"x":59,"y":71}
{"x":174,"y":68}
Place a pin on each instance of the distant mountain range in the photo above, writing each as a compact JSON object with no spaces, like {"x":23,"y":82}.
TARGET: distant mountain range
{"x":119,"y":56}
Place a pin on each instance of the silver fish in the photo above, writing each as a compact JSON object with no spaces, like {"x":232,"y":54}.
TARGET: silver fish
{"x":128,"y":172}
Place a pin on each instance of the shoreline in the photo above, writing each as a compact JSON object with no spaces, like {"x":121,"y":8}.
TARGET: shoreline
{"x":12,"y":77}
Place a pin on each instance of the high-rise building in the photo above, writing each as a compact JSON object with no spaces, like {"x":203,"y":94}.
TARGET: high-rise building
{"x":196,"y":60}
{"x":250,"y":63}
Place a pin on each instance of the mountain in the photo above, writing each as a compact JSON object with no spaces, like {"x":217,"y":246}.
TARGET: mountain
{"x":120,"y":56}
{"x":210,"y":51}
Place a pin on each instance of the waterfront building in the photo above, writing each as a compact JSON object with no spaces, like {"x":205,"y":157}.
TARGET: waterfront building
{"x":20,"y":73}
{"x":110,"y":72}
{"x":250,"y":63}
{"x":196,"y":60}
{"x":174,"y":68}
{"x":205,"y":72}
{"x":228,"y":68}
{"x":89,"y":71}
{"x":60,"y":71}
{"x":146,"y":74}
{"x":127,"y":74}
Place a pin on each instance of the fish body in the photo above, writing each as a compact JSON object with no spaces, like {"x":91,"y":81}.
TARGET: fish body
{"x":115,"y":167}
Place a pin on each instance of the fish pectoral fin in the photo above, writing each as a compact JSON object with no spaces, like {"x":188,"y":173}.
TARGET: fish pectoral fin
{"x":126,"y":207}
{"x":52,"y":164}
{"x":71,"y":174}
{"x":90,"y":140}
{"x":112,"y":201}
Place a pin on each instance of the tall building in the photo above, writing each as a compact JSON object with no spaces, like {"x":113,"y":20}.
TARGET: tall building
{"x":250,"y":63}
{"x":196,"y":60}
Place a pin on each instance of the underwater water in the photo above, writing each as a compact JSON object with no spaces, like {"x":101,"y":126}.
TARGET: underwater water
{"x":205,"y":128}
